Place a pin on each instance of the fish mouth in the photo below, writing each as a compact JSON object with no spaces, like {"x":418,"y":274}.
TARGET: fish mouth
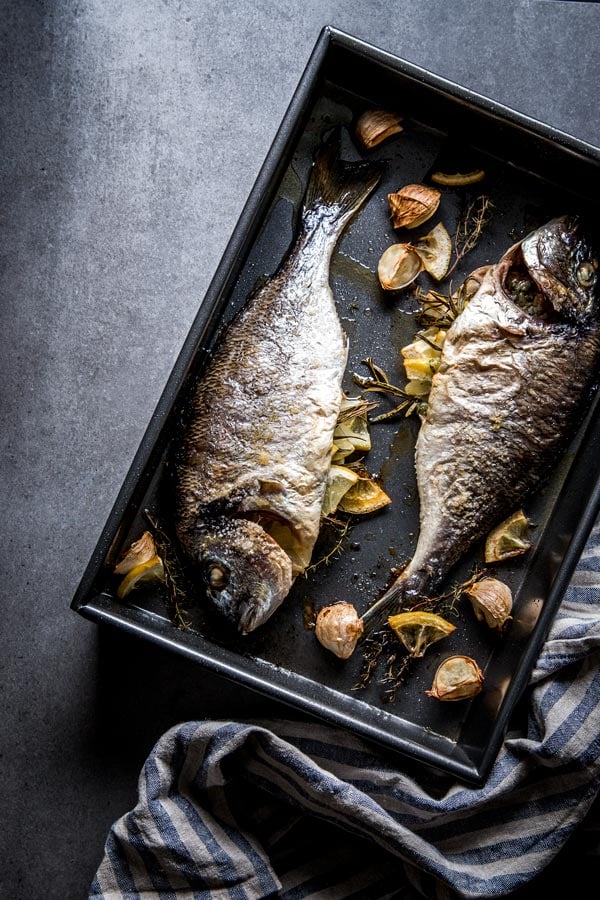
{"x":522,"y":282}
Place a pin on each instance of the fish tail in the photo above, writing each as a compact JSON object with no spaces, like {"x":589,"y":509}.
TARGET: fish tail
{"x":407,"y":589}
{"x":377,"y":615}
{"x":337,"y":188}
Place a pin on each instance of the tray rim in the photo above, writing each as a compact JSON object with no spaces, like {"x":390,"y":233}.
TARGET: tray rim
{"x":101,"y":608}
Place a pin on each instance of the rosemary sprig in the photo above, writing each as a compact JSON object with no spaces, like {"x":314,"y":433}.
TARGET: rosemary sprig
{"x":379,"y":381}
{"x":442,"y":309}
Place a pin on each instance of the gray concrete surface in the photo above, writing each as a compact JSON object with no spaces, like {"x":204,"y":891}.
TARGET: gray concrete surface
{"x":131,"y":134}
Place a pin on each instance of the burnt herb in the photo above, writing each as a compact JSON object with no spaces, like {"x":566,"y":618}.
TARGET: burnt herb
{"x":372,"y":649}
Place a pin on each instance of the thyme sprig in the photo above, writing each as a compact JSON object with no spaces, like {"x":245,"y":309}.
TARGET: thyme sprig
{"x":342,"y":527}
{"x":175,"y":582}
{"x":469,"y":228}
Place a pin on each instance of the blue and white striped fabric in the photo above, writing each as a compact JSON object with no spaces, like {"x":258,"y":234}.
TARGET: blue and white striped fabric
{"x":290,"y":810}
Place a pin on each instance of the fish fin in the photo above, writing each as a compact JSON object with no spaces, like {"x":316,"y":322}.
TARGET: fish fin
{"x":338,"y":185}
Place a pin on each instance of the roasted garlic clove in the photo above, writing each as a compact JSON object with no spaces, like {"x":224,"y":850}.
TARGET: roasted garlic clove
{"x":509,"y":538}
{"x":138,"y":553}
{"x":398,"y":267}
{"x":413,"y":204}
{"x":338,"y":629}
{"x":376,"y":125}
{"x":457,"y":678}
{"x":492,"y":602}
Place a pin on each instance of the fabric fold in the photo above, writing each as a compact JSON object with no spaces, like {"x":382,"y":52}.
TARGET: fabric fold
{"x":290,"y":809}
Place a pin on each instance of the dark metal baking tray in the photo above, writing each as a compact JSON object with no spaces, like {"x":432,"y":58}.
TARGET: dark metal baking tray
{"x":533,"y":173}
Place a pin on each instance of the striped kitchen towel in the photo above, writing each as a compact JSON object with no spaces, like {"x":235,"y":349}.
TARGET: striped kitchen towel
{"x":289,"y":809}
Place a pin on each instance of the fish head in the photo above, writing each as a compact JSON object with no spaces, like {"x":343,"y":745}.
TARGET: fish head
{"x":563,"y":263}
{"x":246,"y":572}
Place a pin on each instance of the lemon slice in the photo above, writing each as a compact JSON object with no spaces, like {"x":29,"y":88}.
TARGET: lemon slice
{"x":418,"y":630}
{"x":151,"y":570}
{"x":509,"y":538}
{"x":365,"y":496}
{"x":458,"y":179}
{"x":339,"y":481}
{"x":435,"y":250}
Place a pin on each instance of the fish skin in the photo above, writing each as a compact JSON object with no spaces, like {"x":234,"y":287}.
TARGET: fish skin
{"x":506,"y":398}
{"x":259,"y":436}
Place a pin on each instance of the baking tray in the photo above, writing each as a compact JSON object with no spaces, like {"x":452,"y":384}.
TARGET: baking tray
{"x":533,"y":173}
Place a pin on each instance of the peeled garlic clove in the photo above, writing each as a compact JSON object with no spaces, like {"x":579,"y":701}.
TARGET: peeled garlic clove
{"x":138,"y":553}
{"x":509,"y":538}
{"x":398,"y":267}
{"x":338,"y":629}
{"x":492,"y":602}
{"x":435,"y":249}
{"x":375,"y":126}
{"x":413,"y":204}
{"x":457,"y":678}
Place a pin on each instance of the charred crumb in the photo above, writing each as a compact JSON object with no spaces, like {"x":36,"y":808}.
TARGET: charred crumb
{"x":309,"y":613}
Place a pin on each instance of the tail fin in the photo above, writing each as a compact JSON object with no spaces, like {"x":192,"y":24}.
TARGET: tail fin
{"x":377,"y":615}
{"x":412,"y":585}
{"x":338,"y":185}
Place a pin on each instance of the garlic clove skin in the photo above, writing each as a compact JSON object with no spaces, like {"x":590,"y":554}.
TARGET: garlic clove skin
{"x":338,"y":628}
{"x":398,"y":267}
{"x":457,"y":678}
{"x":375,"y":126}
{"x":413,"y":204}
{"x":492,"y":602}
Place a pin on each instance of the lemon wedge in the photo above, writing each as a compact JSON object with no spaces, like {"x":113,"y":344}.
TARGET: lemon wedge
{"x":364,"y":497}
{"x":151,"y":570}
{"x":418,"y":630}
{"x":509,"y":538}
{"x":435,"y":250}
{"x":339,"y":481}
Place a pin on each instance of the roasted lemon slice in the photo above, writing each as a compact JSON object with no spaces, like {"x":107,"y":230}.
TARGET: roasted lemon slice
{"x":418,"y":630}
{"x":339,"y":481}
{"x":151,"y":570}
{"x":509,"y":538}
{"x":435,"y":249}
{"x":364,"y":497}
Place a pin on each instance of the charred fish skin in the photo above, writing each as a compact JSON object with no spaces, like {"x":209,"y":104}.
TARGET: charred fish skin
{"x":507,"y":397}
{"x":253,"y":463}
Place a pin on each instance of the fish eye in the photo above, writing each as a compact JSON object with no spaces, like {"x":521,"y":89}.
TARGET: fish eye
{"x":586,"y":272}
{"x":217,"y":576}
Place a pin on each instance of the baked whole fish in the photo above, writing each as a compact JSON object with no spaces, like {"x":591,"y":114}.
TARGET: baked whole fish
{"x":252,"y":467}
{"x":516,"y":366}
